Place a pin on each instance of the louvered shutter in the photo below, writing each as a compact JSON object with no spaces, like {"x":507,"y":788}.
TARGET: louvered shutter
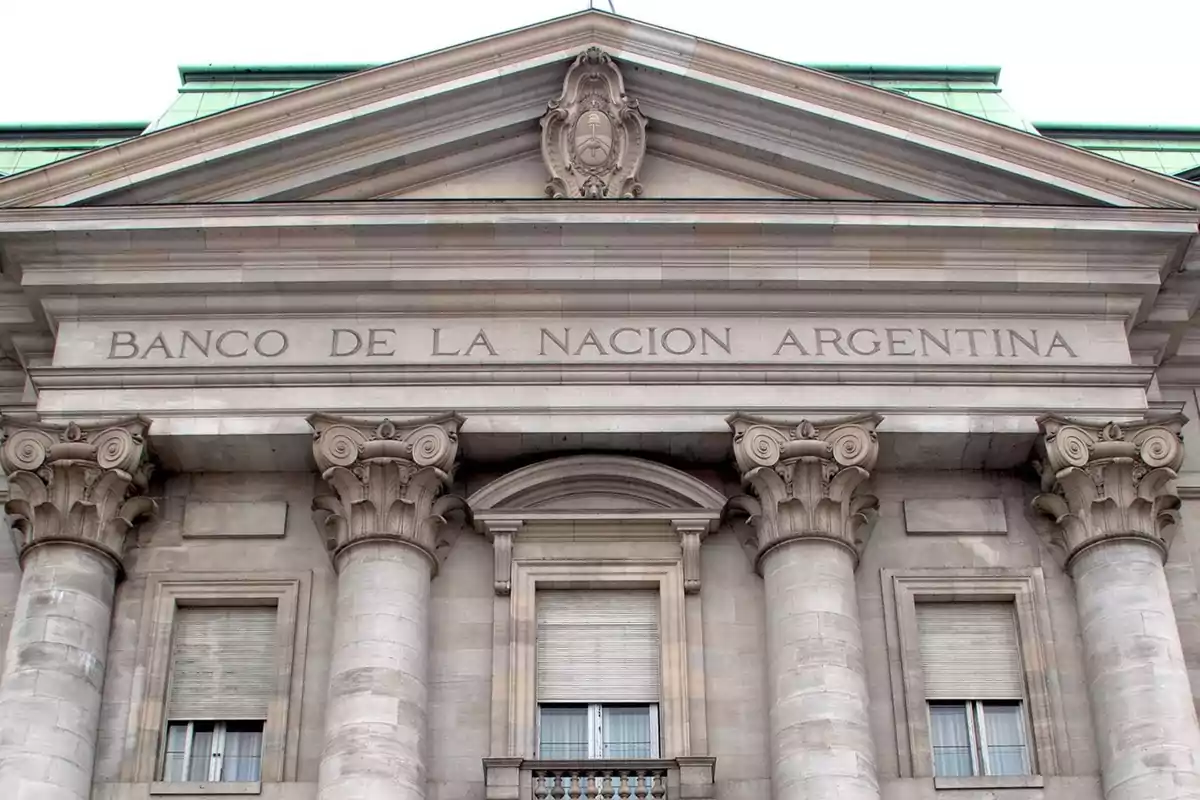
{"x":969,"y":651}
{"x":597,"y":646}
{"x":222,"y":663}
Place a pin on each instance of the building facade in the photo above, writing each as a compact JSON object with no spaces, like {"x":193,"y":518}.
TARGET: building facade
{"x":596,"y":411}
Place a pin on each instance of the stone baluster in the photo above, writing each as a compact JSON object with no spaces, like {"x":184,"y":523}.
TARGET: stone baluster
{"x":75,"y":494}
{"x":382,"y":524}
{"x":1110,"y":490}
{"x":810,"y":519}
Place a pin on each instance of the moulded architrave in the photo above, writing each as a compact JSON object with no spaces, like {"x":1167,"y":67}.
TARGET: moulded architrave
{"x":165,"y":592}
{"x":1026,"y":589}
{"x":514,"y":691}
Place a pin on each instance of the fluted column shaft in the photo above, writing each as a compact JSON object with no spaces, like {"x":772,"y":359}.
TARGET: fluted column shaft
{"x":1110,"y":491}
{"x":75,"y":494}
{"x":810,"y":519}
{"x":382,"y":526}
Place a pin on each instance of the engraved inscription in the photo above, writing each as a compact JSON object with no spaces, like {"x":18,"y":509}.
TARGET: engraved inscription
{"x":409,"y":340}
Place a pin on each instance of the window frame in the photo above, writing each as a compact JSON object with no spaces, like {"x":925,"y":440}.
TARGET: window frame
{"x":515,"y":693}
{"x":595,"y":729}
{"x":1045,"y":721}
{"x":165,"y":594}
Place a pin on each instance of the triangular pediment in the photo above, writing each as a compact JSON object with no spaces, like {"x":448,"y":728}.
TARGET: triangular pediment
{"x":466,"y":123}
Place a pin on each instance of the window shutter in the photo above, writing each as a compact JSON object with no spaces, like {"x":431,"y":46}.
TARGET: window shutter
{"x":222,"y":663}
{"x":597,"y":646}
{"x":969,"y":651}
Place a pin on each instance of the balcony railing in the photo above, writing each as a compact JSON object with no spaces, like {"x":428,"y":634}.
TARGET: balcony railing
{"x":682,"y":778}
{"x":599,"y":780}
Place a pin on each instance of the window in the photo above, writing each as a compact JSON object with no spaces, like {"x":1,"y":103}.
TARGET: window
{"x":977,"y":738}
{"x":974,"y":687}
{"x":598,"y":731}
{"x":222,"y":681}
{"x":598,"y":674}
{"x":213,"y":751}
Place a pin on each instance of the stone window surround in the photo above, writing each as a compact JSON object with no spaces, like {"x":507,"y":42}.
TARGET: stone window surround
{"x":1025,"y":588}
{"x":518,"y":659}
{"x":165,"y":593}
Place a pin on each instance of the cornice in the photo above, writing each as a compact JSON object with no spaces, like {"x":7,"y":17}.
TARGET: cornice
{"x":824,"y":95}
{"x":580,"y":213}
{"x":857,"y":158}
{"x":532,"y":374}
{"x":1099,"y":301}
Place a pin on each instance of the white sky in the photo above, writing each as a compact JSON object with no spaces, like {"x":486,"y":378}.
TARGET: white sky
{"x":1063,"y":60}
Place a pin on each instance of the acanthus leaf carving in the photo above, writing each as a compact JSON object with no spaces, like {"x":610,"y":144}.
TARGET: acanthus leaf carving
{"x":807,"y":477}
{"x":388,"y":479}
{"x":1112,"y":481}
{"x":593,"y":135}
{"x":71,"y":483}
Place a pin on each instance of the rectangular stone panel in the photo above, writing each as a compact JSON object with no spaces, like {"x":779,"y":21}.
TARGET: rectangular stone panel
{"x":259,"y":519}
{"x":476,"y":341}
{"x":935,"y":516}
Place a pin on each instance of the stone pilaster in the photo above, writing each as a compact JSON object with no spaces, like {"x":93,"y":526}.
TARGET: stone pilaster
{"x":1110,"y":490}
{"x":810,"y":521}
{"x":382,"y":525}
{"x":75,"y":492}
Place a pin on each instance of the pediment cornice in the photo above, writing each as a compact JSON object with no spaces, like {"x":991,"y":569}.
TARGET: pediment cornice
{"x":663,"y":57}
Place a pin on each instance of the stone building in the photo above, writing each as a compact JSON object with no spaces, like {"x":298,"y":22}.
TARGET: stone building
{"x":595,"y":411}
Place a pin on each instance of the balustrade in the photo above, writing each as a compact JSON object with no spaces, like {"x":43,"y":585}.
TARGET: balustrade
{"x":599,"y":781}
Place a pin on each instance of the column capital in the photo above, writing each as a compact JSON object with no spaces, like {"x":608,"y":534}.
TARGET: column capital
{"x":84,"y":484}
{"x":388,"y":479}
{"x":1108,"y":482}
{"x":807,"y":476}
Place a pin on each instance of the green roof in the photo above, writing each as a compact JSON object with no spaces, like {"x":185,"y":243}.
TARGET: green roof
{"x":29,"y":146}
{"x":970,"y":90}
{"x":973,"y":90}
{"x":1170,"y":150}
{"x":204,"y":91}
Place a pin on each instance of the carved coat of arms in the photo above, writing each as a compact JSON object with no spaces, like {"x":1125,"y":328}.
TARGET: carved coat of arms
{"x":593,"y":136}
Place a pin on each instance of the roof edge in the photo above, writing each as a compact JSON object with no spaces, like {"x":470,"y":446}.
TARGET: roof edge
{"x":1018,"y":152}
{"x":73,"y":129}
{"x":1116,"y":131}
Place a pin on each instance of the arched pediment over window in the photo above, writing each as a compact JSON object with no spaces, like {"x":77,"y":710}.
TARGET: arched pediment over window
{"x":597,"y":486}
{"x":601,"y":493}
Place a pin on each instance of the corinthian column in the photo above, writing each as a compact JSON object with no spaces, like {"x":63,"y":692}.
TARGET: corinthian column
{"x":810,"y":518}
{"x":1110,"y":490}
{"x":382,"y":525}
{"x":75,"y":493}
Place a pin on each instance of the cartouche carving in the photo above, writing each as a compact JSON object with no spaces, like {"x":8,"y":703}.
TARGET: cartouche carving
{"x":1103,"y":482}
{"x":593,"y":136}
{"x":806,"y":477}
{"x":82,"y":484}
{"x":388,"y":479}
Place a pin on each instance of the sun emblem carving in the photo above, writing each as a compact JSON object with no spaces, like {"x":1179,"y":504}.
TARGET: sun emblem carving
{"x":593,"y":136}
